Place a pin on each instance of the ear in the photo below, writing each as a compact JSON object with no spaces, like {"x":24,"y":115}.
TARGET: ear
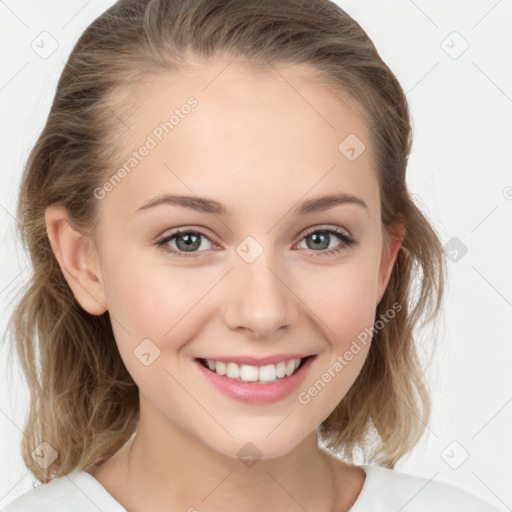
{"x":78,"y":259}
{"x":389,"y":253}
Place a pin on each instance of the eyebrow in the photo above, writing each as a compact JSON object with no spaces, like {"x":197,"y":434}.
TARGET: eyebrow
{"x":200,"y":204}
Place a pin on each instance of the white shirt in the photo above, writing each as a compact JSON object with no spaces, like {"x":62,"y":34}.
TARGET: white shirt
{"x":384,"y":490}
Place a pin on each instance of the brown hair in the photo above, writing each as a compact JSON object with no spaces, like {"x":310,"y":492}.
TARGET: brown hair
{"x":83,"y":401}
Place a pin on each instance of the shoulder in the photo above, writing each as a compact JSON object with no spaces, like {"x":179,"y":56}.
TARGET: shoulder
{"x":58,"y":494}
{"x":390,"y":490}
{"x":78,"y":491}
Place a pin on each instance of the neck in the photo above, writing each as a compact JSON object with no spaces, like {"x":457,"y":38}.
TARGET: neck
{"x":168,"y":469}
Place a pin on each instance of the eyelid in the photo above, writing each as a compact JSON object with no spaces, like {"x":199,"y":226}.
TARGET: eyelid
{"x":327,"y":227}
{"x":192,"y":228}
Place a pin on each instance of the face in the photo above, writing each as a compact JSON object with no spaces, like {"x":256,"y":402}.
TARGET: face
{"x":260,"y":273}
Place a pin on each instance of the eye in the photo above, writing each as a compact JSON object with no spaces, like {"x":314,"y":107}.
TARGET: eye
{"x":321,"y":238}
{"x":188,"y":243}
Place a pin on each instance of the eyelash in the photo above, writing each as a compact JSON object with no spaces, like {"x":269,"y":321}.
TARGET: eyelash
{"x":346,"y":241}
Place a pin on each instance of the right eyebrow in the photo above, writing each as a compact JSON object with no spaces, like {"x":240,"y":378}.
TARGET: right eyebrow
{"x":199,"y":204}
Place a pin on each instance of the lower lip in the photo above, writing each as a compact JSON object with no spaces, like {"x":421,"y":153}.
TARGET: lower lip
{"x":254,"y":392}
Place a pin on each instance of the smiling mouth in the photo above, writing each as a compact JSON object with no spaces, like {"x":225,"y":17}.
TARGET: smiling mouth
{"x":266,"y":374}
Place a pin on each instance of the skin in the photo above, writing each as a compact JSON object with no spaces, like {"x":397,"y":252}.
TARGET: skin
{"x":260,"y":145}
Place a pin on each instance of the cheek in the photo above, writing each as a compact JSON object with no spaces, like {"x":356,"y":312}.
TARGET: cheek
{"x":343,"y":297}
{"x":150,"y":314}
{"x":345,"y":312}
{"x":155,"y":302}
{"x":149,"y":298}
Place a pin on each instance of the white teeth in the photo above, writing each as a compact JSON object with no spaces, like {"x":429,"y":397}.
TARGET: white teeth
{"x":232,"y":371}
{"x":281,"y":369}
{"x":249,"y":373}
{"x":220,"y":368}
{"x":267,"y":373}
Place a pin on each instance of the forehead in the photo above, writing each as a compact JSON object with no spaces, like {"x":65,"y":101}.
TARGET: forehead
{"x":276,"y":133}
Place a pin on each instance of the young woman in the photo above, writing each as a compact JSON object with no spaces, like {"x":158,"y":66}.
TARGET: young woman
{"x":222,"y":308}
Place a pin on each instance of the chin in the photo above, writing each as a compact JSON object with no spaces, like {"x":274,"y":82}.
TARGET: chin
{"x":253,"y":447}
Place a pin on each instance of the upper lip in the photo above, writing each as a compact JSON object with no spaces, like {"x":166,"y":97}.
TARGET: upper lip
{"x":255,"y":361}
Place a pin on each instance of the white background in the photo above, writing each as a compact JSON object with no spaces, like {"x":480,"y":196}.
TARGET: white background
{"x":460,"y":172}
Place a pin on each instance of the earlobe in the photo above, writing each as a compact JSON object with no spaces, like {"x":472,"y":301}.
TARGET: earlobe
{"x":77,"y":258}
{"x":389,"y":254}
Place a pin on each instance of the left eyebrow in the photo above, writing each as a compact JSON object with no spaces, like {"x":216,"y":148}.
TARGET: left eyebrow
{"x":322,"y":203}
{"x":200,"y":204}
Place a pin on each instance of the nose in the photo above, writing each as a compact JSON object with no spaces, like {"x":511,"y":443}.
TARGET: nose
{"x":258,"y":297}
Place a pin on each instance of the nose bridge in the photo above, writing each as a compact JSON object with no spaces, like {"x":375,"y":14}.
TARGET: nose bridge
{"x":259,"y":299}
